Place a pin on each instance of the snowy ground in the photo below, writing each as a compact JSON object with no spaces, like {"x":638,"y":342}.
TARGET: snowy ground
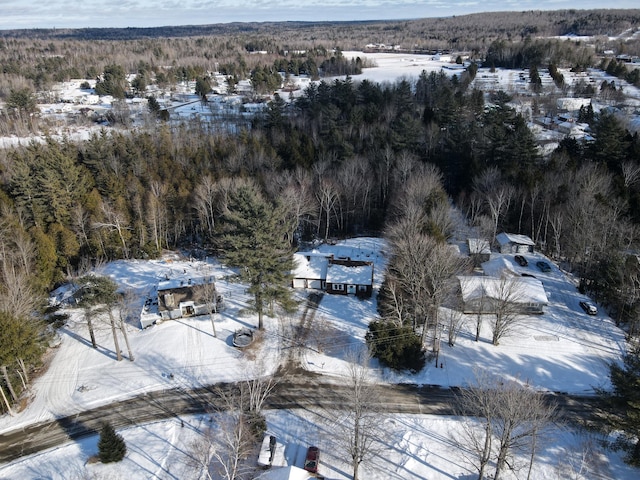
{"x":562,"y":350}
{"x":414,"y":447}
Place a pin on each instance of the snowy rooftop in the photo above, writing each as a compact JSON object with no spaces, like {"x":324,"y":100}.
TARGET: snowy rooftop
{"x":310,"y":265}
{"x":504,"y":238}
{"x":359,"y":275}
{"x":184,"y":280}
{"x":286,"y":473}
{"x":499,"y":266}
{"x":524,"y":290}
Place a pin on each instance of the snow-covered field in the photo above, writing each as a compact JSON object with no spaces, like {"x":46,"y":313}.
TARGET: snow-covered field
{"x":562,"y":350}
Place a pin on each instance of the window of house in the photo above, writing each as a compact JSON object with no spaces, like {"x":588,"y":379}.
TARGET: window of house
{"x":362,"y":288}
{"x":337,"y":286}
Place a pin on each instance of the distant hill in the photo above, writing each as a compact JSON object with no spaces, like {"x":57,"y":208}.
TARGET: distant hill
{"x":474,"y":27}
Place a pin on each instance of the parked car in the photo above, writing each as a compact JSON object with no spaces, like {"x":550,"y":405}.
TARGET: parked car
{"x":520,"y":260}
{"x":589,"y":308}
{"x":312,"y":460}
{"x":543,"y":266}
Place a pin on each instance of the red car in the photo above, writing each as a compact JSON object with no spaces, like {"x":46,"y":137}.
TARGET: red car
{"x":312,"y":460}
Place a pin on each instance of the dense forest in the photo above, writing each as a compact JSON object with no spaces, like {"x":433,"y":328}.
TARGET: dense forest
{"x":345,"y":158}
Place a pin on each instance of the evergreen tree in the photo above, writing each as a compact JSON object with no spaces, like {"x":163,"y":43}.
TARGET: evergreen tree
{"x":255,"y":242}
{"x":625,"y":400}
{"x":397,"y":347}
{"x":111,"y":446}
{"x":203,"y":87}
{"x":113,"y":82}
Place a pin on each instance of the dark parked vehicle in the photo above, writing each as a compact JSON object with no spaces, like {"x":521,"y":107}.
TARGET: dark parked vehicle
{"x":520,"y":260}
{"x":543,"y":266}
{"x":312,"y":460}
{"x":589,"y":308}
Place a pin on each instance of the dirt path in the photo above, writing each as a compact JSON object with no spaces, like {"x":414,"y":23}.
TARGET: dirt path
{"x":297,"y":336}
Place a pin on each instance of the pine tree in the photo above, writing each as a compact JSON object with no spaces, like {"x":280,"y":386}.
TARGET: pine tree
{"x":625,"y":398}
{"x":255,"y":242}
{"x":111,"y":446}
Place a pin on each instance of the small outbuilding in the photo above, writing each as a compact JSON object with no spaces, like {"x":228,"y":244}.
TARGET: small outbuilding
{"x":514,"y":243}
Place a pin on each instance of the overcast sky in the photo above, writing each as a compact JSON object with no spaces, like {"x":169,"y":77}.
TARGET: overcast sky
{"x":153,"y":13}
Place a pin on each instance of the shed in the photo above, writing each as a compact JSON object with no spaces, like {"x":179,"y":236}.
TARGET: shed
{"x":514,"y":243}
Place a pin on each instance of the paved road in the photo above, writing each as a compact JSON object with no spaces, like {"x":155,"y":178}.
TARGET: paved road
{"x":298,"y":391}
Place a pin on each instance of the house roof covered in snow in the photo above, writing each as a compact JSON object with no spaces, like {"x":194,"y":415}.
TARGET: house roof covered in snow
{"x":498,"y":267}
{"x":184,"y":281}
{"x":505,"y":238}
{"x":529,"y":290}
{"x":311,"y":265}
{"x":350,"y":275}
{"x":286,"y":473}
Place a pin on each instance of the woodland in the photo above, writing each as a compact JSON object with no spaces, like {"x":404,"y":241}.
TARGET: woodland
{"x":346,"y":158}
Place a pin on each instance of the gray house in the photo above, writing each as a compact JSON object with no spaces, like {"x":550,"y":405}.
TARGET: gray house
{"x":179,"y":298}
{"x":514,"y":243}
{"x":481,"y":294}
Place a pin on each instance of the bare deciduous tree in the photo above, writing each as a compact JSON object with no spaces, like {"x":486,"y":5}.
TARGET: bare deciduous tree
{"x":208,"y":295}
{"x":512,"y":416}
{"x":357,"y":426}
{"x":505,"y":301}
{"x":127,"y":310}
{"x":115,"y":220}
{"x":496,"y":194}
{"x":455,"y":321}
{"x":221,"y":449}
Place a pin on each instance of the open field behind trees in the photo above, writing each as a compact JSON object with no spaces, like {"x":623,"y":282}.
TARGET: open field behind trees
{"x":36,"y":58}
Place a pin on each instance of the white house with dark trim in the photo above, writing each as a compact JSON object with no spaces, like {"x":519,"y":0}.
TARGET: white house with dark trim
{"x":350,"y":277}
{"x":341,"y":276}
{"x":514,"y":243}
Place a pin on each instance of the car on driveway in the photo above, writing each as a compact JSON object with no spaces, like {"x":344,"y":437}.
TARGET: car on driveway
{"x":520,"y":260}
{"x":543,"y":266}
{"x":589,"y":308}
{"x":312,"y":460}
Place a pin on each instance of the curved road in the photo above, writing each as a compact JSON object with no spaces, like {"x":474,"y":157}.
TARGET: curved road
{"x":295,"y":391}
